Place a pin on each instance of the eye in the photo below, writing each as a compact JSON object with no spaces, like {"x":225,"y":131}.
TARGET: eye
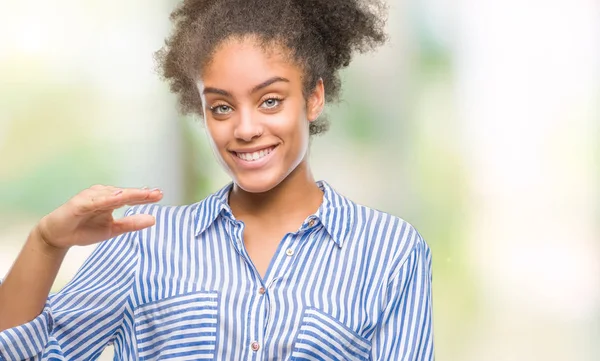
{"x":221,"y":109}
{"x":271,"y":103}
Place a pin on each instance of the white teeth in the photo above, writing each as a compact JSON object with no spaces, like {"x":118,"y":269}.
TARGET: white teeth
{"x":251,"y":157}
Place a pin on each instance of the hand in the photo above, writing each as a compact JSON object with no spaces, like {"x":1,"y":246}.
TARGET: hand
{"x":87,"y":218}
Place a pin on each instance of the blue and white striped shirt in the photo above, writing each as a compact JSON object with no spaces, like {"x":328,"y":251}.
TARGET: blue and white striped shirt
{"x":352,"y":283}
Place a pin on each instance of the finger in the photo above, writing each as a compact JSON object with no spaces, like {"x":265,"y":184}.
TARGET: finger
{"x":98,"y":190}
{"x":132,"y":224}
{"x":91,"y":199}
{"x":151,"y":199}
{"x":148,"y":196}
{"x":96,"y":187}
{"x":105,"y":200}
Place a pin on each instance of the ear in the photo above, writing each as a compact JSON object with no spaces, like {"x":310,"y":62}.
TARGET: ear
{"x":316,"y":101}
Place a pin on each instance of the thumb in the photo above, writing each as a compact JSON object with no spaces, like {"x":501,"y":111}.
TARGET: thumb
{"x":132,"y":223}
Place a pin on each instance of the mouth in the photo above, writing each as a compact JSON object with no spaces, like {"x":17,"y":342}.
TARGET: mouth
{"x":254,"y":156}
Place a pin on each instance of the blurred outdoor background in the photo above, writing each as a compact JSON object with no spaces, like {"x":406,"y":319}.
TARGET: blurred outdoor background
{"x":479,"y":123}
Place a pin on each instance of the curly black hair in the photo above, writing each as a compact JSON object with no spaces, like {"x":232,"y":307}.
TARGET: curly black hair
{"x":321,"y":36}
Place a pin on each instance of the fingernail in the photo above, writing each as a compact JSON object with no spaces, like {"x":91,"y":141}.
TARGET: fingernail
{"x":118,"y":192}
{"x":155,"y":189}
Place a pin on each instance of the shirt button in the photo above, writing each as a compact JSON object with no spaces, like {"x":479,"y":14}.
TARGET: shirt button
{"x":261,"y":290}
{"x":289,"y":252}
{"x":254,"y":346}
{"x":311,"y":223}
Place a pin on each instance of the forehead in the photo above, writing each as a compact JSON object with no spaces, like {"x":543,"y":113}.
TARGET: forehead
{"x":239,"y":62}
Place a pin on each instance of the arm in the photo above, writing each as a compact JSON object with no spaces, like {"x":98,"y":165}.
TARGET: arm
{"x":85,"y":219}
{"x":80,"y":320}
{"x":405,"y":331}
{"x":36,"y":266}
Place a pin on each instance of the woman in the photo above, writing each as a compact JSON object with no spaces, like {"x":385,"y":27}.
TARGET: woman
{"x":272,"y":266}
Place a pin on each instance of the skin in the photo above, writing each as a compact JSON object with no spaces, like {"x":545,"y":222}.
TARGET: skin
{"x":253,"y":99}
{"x":271,"y":199}
{"x":85,"y":219}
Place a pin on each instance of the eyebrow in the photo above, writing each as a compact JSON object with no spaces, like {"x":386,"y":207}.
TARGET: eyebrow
{"x":266,"y":83}
{"x":260,"y":86}
{"x":216,"y":91}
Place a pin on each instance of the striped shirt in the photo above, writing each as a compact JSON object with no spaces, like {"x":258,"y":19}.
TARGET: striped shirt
{"x":352,"y":283}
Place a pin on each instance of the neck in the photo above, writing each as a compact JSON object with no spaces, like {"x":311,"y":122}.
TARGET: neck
{"x":297,"y":194}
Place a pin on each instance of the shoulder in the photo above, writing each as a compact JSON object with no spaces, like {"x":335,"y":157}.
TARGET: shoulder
{"x":164,"y":211}
{"x":387,"y":232}
{"x":167,"y":217}
{"x":182,"y":219}
{"x":378,"y":233}
{"x":174,"y":226}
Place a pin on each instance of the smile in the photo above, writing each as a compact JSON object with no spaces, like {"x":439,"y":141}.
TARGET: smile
{"x":254,"y":156}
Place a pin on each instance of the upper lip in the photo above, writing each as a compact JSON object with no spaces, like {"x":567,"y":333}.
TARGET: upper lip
{"x":253,"y":149}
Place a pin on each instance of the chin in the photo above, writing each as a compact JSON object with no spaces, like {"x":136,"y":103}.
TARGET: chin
{"x":257,"y":183}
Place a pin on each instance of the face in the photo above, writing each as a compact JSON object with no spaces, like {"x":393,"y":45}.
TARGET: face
{"x":256,"y":114}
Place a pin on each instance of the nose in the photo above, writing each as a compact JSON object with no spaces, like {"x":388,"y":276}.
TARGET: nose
{"x":248,"y":127}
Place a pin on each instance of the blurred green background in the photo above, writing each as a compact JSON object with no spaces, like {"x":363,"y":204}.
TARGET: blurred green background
{"x":478,"y":123}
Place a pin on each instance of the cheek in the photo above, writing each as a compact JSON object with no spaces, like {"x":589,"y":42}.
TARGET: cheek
{"x":302,"y":123}
{"x":295,"y":118}
{"x":291,"y":127}
{"x":217,"y":134}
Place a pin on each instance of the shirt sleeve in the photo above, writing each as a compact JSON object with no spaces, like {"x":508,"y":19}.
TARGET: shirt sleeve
{"x":80,"y":320}
{"x":405,"y":332}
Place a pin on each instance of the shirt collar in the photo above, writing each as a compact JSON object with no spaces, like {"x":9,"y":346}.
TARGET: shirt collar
{"x":336,"y":213}
{"x":211,"y":207}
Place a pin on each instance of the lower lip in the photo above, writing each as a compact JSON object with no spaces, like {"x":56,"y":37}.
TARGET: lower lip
{"x":254,"y":164}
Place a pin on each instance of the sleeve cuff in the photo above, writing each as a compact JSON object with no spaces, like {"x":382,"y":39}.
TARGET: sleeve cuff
{"x":28,"y":340}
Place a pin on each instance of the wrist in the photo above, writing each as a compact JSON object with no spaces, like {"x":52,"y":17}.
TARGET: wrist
{"x":41,"y":238}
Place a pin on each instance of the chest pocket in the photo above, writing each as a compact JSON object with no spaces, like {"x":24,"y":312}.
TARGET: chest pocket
{"x":324,"y":338}
{"x":180,"y":327}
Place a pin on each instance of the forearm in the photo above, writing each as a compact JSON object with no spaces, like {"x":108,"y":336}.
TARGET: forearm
{"x":25,"y":288}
